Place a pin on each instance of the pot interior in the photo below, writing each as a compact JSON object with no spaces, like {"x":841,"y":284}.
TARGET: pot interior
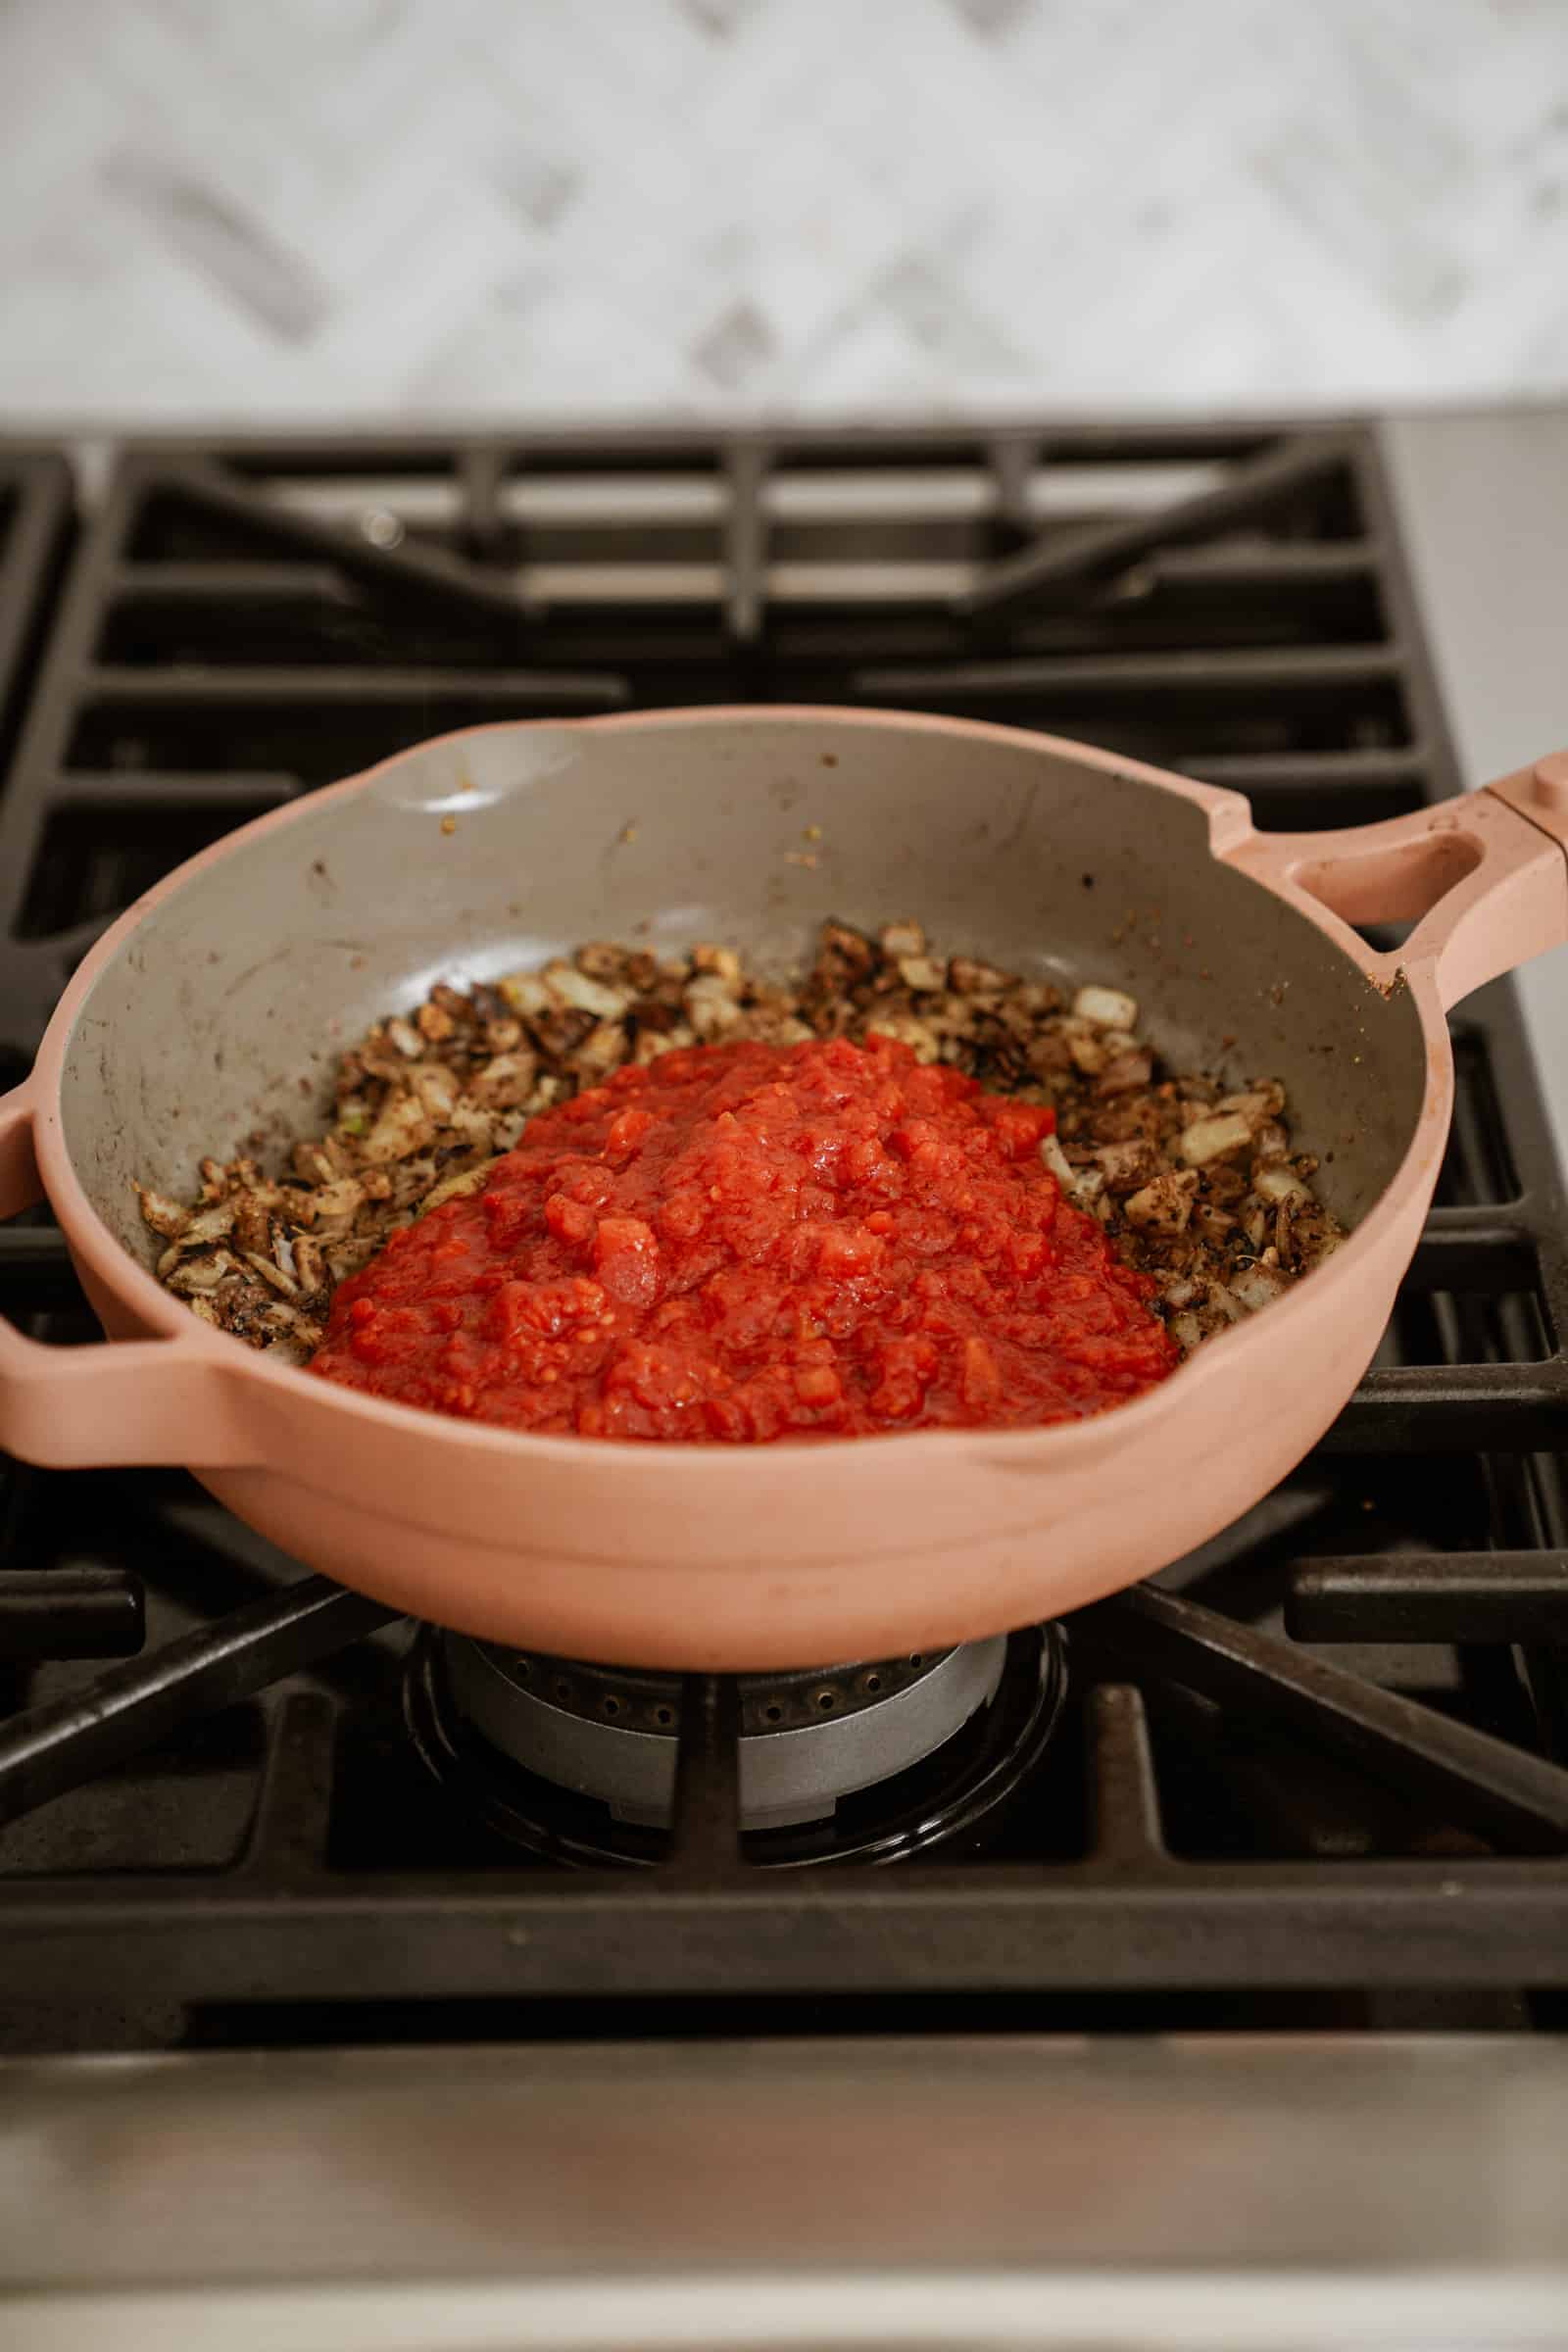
{"x":216,"y":1027}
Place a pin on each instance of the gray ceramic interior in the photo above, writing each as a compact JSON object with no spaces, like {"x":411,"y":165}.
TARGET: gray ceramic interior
{"x":220,"y":1020}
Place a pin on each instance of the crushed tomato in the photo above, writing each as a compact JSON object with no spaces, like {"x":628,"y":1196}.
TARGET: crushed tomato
{"x":749,"y":1242}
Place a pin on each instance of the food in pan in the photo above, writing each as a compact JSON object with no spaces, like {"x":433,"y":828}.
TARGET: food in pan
{"x":746,"y":1241}
{"x":1166,"y":1205}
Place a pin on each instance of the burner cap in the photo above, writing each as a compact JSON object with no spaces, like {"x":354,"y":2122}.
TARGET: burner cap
{"x":806,"y":1739}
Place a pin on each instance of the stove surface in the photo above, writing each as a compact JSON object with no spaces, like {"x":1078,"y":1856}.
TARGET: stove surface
{"x":1315,"y":1775}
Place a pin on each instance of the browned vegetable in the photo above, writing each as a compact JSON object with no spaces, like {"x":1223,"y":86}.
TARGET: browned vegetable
{"x":1196,"y":1185}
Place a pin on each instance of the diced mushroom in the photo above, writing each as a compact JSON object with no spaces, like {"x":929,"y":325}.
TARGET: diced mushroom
{"x":503,"y":1083}
{"x":1127,"y":1165}
{"x":346,"y":1257}
{"x":1278,"y":1181}
{"x":437,"y":1087}
{"x":253,"y":1229}
{"x":723,"y":963}
{"x":1164,"y":1205}
{"x":213,"y":1224}
{"x":272,"y":1273}
{"x":1211,"y":1139}
{"x":199,"y":1273}
{"x":651,"y":1043}
{"x":1257,"y":1285}
{"x":402,"y":1125}
{"x":472,"y":1125}
{"x":1257,"y":1103}
{"x":454,"y":1188}
{"x":338,"y":1200}
{"x":165,"y":1217}
{"x":525,"y":991}
{"x":568,"y":986}
{"x":851,"y":953}
{"x":1056,"y":1160}
{"x":310,"y":1266}
{"x":967,"y":976}
{"x":1105,"y":1008}
{"x":710,"y":1005}
{"x":1125,"y":1074}
{"x":1085,"y":1046}
{"x":603,"y":1049}
{"x":923,"y":973}
{"x":601,"y":959}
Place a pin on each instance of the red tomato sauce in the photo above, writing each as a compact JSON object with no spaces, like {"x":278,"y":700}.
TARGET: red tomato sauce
{"x":748,"y":1242}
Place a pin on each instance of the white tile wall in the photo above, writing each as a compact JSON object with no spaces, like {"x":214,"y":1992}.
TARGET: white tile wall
{"x":357,"y":209}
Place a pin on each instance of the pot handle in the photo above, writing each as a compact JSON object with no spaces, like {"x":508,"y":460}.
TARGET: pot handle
{"x":1484,"y":879}
{"x":129,"y":1402}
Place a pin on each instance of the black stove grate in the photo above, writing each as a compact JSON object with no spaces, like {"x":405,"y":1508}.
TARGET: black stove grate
{"x":37,"y":511}
{"x":1326,"y":1760}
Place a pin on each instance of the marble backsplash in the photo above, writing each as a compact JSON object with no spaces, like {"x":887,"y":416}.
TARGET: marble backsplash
{"x":362,"y":208}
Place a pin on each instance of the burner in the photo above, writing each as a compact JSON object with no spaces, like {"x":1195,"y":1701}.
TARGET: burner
{"x":877,"y":1761}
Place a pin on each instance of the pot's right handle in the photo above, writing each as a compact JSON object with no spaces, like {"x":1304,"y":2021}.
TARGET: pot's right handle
{"x":132,"y":1402}
{"x":1483,"y":877}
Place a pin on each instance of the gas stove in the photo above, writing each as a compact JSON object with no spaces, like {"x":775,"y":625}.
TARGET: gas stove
{"x":1314,"y":1776}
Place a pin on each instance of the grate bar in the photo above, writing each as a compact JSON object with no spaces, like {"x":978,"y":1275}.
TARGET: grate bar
{"x":1472,"y":1251}
{"x":1433,"y":1409}
{"x":983,"y":1930}
{"x":288,"y":1839}
{"x":179,"y":582}
{"x":1523,"y":1795}
{"x":745,"y":543}
{"x":245,"y":790}
{"x":1310,"y":770}
{"x":1430,"y":1596}
{"x":190,"y":687}
{"x":704,"y":1833}
{"x":481,"y":470}
{"x":1250,"y":490}
{"x":36,"y":514}
{"x":1264,"y":565}
{"x":1126,"y":1827}
{"x":59,"y":1746}
{"x":1237,"y":668}
{"x":1015,"y":458}
{"x":391,"y":563}
{"x":70,"y":1612}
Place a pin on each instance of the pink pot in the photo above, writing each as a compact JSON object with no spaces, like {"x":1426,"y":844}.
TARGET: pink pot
{"x":194,"y":1019}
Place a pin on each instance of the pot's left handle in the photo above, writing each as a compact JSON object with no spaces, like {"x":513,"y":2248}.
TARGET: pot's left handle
{"x":126,"y":1402}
